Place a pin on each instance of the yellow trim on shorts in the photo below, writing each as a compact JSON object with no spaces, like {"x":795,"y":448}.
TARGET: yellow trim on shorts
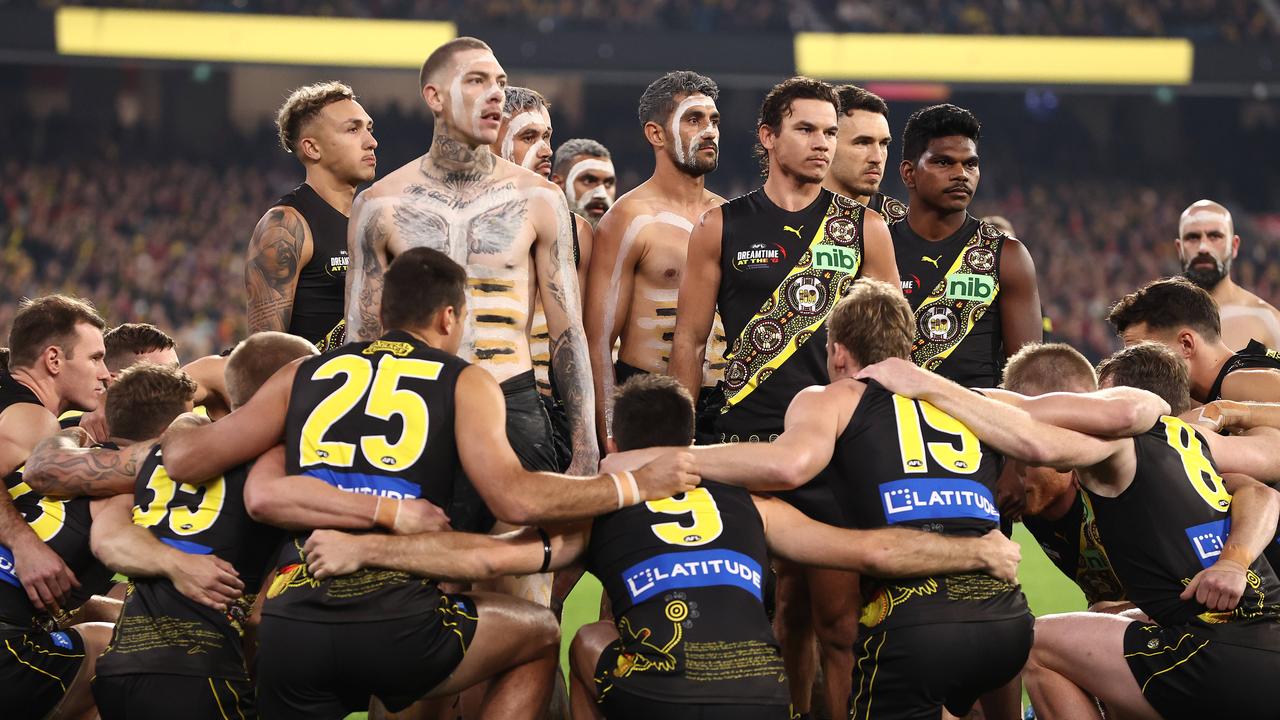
{"x":27,"y":639}
{"x":1162,"y":650}
{"x":214,"y":690}
{"x":235,"y":695}
{"x":1153,"y":676}
{"x":33,"y":667}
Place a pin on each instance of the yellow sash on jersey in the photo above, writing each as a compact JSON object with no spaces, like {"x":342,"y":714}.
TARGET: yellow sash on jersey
{"x":960,"y":299}
{"x":800,"y":304}
{"x":333,"y":339}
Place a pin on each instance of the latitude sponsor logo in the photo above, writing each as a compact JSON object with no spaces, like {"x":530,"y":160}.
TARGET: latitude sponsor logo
{"x":704,"y":568}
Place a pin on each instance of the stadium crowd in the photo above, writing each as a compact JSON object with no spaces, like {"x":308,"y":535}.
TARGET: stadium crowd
{"x":1221,"y":20}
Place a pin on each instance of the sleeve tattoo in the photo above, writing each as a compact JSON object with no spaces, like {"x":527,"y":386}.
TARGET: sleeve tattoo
{"x":364,"y":321}
{"x":271,"y":274}
{"x":62,"y":471}
{"x":569,"y":359}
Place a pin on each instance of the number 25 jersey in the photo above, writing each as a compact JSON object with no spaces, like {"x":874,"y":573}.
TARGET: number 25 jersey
{"x":375,"y":418}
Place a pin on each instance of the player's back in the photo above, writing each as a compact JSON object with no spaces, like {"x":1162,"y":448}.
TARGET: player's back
{"x":685,"y":577}
{"x":163,"y":631}
{"x":374,"y":418}
{"x":1171,"y":523}
{"x":903,"y":462}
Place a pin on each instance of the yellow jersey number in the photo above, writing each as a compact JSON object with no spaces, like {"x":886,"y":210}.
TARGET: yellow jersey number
{"x":963,"y":458}
{"x":1200,"y":471}
{"x":697,"y":503}
{"x":385,"y":400}
{"x":182,"y":519}
{"x":53,"y":513}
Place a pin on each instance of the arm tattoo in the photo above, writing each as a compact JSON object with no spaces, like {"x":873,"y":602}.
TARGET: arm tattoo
{"x":367,"y":283}
{"x":61,"y":471}
{"x":569,"y":359}
{"x":271,"y":275}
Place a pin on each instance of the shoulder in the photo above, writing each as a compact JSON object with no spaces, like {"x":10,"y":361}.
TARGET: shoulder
{"x":711,"y":200}
{"x":1252,"y":384}
{"x":26,"y":420}
{"x":281,"y":216}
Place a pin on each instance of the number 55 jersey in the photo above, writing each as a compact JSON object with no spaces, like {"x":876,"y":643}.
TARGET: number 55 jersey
{"x":685,"y":577}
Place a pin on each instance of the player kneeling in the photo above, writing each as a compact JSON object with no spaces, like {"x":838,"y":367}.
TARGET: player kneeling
{"x":683,"y":574}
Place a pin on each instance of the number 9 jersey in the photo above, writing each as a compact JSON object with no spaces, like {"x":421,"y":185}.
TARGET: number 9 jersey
{"x":375,"y":418}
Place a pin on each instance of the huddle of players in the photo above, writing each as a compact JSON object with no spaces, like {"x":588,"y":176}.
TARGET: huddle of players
{"x":342,"y":442}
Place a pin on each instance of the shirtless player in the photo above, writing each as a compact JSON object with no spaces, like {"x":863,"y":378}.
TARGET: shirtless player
{"x":635,"y":274}
{"x":507,"y":226}
{"x":1207,"y":244}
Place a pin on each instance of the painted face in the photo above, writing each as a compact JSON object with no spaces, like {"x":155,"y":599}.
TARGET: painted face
{"x":806,"y":140}
{"x":343,"y":133}
{"x":946,"y":176}
{"x":695,"y":135}
{"x":83,"y":376}
{"x":861,"y":151}
{"x":591,"y":186}
{"x":474,"y":97}
{"x":526,"y":140}
{"x":1206,"y":246}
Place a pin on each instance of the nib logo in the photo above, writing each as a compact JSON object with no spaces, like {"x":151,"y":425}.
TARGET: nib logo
{"x":961,"y":286}
{"x":834,"y":257}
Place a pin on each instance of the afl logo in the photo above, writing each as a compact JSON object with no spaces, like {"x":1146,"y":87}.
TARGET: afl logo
{"x":806,"y":295}
{"x":939,"y":324}
{"x":767,"y":336}
{"x":980,"y":259}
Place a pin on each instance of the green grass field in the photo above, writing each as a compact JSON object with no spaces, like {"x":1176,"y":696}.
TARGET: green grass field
{"x":1046,"y":589}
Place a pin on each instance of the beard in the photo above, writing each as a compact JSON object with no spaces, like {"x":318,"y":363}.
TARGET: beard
{"x":695,"y":166}
{"x":1206,"y":277}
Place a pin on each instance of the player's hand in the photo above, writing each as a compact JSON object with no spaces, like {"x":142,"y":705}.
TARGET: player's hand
{"x":206,"y":579}
{"x":672,"y":472}
{"x":1218,"y":587}
{"x":419,"y":516}
{"x":901,"y":377}
{"x":95,"y":424}
{"x":43,"y":574}
{"x":330,"y":553}
{"x":1224,"y":415}
{"x":629,"y":460}
{"x":1002,"y":556}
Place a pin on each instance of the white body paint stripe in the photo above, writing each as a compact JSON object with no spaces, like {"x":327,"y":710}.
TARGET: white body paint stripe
{"x":604,"y":166}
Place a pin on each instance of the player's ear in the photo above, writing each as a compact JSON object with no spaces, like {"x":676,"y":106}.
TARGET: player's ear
{"x":907,"y":170}
{"x":309,"y":148}
{"x":1187,"y":342}
{"x":655,"y":134}
{"x":434,"y":98}
{"x":766,"y":137}
{"x":1235,"y":245}
{"x":53,"y":358}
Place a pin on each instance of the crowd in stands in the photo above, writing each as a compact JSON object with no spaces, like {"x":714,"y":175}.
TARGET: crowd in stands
{"x":163,"y":240}
{"x":1221,"y":20}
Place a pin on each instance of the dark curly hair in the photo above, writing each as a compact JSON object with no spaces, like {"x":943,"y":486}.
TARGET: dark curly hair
{"x":777,"y":106}
{"x":1168,"y":304}
{"x":659,"y":99}
{"x":937,"y":121}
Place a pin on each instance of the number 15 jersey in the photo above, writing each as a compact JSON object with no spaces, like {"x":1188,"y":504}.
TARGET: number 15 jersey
{"x":375,"y":418}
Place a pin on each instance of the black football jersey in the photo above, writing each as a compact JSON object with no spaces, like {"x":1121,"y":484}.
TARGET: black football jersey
{"x":374,"y":418}
{"x":161,"y":630}
{"x":1073,"y":545}
{"x":1171,"y":523}
{"x":685,"y":576}
{"x":904,"y":463}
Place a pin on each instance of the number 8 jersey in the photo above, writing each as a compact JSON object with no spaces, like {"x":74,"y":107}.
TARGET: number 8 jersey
{"x":375,"y":418}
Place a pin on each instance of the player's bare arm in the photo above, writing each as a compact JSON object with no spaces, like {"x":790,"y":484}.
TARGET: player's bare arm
{"x":880,"y":262}
{"x":610,"y":283}
{"x":885,"y":552}
{"x":1255,"y":510}
{"x":302,"y":502}
{"x":586,"y":250}
{"x":1020,"y":318}
{"x":1254,"y":385}
{"x":195,"y":453}
{"x":211,"y":385}
{"x":1231,"y":415}
{"x":1111,"y":412}
{"x":44,"y":575}
{"x":278,"y":250}
{"x":368,"y":235}
{"x":520,"y":497}
{"x":696,"y":307}
{"x":446,"y":555}
{"x":1255,"y":453}
{"x":562,"y":304}
{"x":65,"y":465}
{"x":132,"y":550}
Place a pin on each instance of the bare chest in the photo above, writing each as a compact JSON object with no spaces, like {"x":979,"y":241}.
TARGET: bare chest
{"x":482,"y":225}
